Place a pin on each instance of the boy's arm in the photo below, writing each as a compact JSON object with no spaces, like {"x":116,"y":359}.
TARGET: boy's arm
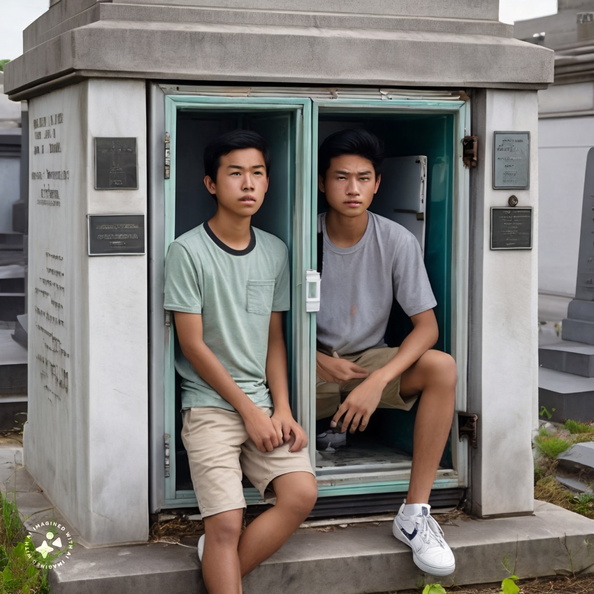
{"x":360,"y":404}
{"x":264,"y":433}
{"x":277,"y":378}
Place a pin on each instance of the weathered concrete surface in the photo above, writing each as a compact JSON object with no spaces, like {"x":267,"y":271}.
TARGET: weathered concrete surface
{"x":349,"y":558}
{"x":396,"y":43}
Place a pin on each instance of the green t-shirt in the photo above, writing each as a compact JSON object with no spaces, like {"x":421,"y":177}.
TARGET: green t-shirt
{"x":235,"y":292}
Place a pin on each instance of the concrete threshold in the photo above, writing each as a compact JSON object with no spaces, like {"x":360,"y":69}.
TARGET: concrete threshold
{"x":349,"y":557}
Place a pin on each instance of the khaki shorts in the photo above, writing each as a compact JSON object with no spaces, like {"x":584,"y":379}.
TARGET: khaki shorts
{"x":330,"y":395}
{"x":219,"y":451}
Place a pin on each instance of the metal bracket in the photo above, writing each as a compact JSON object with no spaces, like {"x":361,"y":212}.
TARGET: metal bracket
{"x":470,"y":151}
{"x":467,"y":427}
{"x":167,"y":172}
{"x":167,"y":449}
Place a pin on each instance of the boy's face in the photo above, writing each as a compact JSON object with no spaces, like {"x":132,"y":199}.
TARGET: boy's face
{"x":349,"y":184}
{"x":241,"y":182}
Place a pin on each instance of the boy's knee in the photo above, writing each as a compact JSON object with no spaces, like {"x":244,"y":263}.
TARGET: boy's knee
{"x":441,"y":367}
{"x":225,"y":527}
{"x":300,"y":497}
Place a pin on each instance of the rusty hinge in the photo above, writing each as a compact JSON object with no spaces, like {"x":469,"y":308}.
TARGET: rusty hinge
{"x":167,"y":171}
{"x":470,"y":151}
{"x":467,"y":427}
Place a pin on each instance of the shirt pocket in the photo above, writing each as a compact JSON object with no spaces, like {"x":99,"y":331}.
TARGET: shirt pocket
{"x":260,"y":294}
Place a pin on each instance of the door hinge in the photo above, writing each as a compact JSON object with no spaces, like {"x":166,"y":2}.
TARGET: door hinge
{"x":470,"y":151}
{"x":167,"y":319}
{"x":167,"y":171}
{"x":166,"y":452}
{"x":467,"y":427}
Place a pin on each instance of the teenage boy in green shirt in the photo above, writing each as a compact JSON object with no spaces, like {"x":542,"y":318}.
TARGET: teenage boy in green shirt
{"x":228,"y":284}
{"x":368,"y":261}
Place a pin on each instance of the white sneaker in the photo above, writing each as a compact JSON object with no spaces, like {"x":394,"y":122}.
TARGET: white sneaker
{"x":423,"y":535}
{"x":200,"y":548}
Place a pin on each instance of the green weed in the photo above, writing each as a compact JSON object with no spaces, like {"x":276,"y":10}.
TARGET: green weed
{"x":434,"y":589}
{"x":544,"y":412}
{"x":550,"y":445}
{"x":509,"y":586}
{"x":575,"y":427}
{"x":18,"y":574}
{"x":584,"y":504}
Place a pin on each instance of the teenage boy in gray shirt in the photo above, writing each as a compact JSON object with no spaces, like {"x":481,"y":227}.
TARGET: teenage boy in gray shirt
{"x":228,"y":284}
{"x":368,"y":261}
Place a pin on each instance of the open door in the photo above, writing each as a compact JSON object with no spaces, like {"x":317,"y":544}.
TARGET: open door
{"x":295,"y":121}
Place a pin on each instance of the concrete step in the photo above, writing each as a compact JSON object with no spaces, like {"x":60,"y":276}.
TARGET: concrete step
{"x":21,"y":330}
{"x":11,"y":241}
{"x":569,"y":357}
{"x":578,"y":330}
{"x":13,"y":379}
{"x":13,"y":412}
{"x":11,"y":306}
{"x":565,"y":396}
{"x":347,"y":556}
{"x":12,"y":278}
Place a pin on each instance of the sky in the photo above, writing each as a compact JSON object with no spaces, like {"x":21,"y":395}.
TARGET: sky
{"x":19,"y":14}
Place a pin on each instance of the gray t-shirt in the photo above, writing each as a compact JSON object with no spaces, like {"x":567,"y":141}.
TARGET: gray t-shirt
{"x":360,"y":283}
{"x":235,"y":291}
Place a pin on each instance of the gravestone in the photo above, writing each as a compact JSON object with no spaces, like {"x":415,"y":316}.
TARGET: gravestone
{"x":579,"y":324}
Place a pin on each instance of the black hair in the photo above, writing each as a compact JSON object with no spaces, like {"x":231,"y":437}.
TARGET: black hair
{"x":351,"y":142}
{"x":232,"y":141}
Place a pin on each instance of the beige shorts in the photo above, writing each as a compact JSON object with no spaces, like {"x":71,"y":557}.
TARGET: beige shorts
{"x":219,"y":451}
{"x":329,"y":395}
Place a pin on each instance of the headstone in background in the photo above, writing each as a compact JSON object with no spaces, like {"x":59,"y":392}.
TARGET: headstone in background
{"x":579,"y":324}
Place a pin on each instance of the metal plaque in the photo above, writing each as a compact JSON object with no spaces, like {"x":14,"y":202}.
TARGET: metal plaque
{"x":116,"y":164}
{"x":511,"y":160}
{"x":116,"y":235}
{"x":511,"y":228}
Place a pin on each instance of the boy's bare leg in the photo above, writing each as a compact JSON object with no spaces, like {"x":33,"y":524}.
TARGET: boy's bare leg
{"x":296,"y":494}
{"x":434,"y":375}
{"x":220,"y":562}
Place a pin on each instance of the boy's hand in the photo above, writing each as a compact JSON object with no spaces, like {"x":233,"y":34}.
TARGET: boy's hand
{"x":263,"y":431}
{"x":356,"y":410}
{"x":292,"y":431}
{"x":336,"y":370}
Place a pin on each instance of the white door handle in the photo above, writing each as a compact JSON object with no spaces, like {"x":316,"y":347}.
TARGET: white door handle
{"x":312,"y":291}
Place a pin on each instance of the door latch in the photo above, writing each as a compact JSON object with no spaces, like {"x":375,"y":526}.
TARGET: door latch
{"x":167,"y":172}
{"x":467,"y":427}
{"x":470,"y":151}
{"x":312,"y":291}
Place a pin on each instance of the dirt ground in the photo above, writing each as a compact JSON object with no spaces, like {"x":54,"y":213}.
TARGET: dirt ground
{"x":560,"y":585}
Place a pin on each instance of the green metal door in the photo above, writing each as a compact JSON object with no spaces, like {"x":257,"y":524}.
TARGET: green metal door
{"x":295,"y":121}
{"x":191,"y":122}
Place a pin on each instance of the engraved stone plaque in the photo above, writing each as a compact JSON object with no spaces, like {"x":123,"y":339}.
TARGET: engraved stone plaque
{"x":511,"y":228}
{"x":511,"y":160}
{"x":115,"y":164}
{"x":116,"y":235}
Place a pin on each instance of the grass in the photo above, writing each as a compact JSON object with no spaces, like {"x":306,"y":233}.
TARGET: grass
{"x":551,"y":445}
{"x":576,"y":428}
{"x":18,"y":574}
{"x":552,"y":440}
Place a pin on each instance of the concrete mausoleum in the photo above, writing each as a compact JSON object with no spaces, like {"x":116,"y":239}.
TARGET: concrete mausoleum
{"x":122,"y":97}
